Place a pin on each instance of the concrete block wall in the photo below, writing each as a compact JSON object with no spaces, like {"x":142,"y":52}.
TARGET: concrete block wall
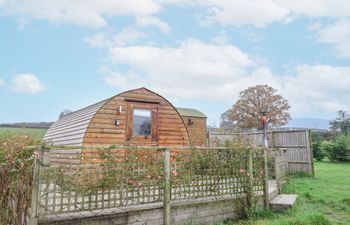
{"x":199,"y":211}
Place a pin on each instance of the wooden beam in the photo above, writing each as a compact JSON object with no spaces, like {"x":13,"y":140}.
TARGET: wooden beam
{"x":141,"y":100}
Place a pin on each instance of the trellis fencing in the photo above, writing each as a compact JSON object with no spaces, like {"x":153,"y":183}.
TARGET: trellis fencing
{"x":118,"y":177}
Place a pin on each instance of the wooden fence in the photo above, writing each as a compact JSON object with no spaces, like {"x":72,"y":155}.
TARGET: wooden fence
{"x":129,"y":176}
{"x":297,"y":143}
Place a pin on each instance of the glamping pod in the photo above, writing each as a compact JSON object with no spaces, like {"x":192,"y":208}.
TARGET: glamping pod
{"x":135,"y":117}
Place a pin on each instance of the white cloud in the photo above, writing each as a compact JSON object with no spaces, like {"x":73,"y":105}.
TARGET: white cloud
{"x":27,"y":83}
{"x":221,"y":39}
{"x":2,"y":82}
{"x":153,"y":21}
{"x":317,"y":8}
{"x":243,"y":12}
{"x":338,"y":34}
{"x":89,"y":13}
{"x":98,"y":40}
{"x":127,"y":36}
{"x":216,"y":73}
{"x":318,"y":88}
{"x":120,"y":80}
{"x":193,"y":66}
{"x":260,"y":13}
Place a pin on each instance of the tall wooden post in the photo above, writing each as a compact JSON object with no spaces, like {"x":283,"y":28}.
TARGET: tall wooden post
{"x":33,"y":218}
{"x":167,"y":187}
{"x":310,"y":153}
{"x":250,"y":176}
{"x":266,"y":181}
{"x":266,"y":144}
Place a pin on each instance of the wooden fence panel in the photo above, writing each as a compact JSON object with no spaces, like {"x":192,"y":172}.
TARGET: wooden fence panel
{"x":297,"y":143}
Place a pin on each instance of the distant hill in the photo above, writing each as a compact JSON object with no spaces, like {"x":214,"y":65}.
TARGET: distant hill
{"x":311,"y":123}
{"x":40,"y":125}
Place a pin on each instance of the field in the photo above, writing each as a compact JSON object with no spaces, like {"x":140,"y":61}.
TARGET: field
{"x":324,"y":199}
{"x":39,"y":133}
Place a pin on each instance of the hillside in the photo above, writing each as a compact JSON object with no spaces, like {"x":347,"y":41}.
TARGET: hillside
{"x":312,"y":123}
{"x":39,"y":125}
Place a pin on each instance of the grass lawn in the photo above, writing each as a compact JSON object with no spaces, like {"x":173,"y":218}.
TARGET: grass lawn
{"x":324,"y":199}
{"x":39,"y":133}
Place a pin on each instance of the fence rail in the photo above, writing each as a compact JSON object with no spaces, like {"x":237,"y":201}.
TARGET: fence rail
{"x":127,"y":176}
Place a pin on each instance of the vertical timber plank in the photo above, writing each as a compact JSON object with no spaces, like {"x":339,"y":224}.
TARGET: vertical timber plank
{"x":310,"y":154}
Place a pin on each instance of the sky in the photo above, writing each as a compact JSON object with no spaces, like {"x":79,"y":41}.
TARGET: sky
{"x":63,"y":54}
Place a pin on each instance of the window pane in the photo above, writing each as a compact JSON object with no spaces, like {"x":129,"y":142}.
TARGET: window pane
{"x":142,"y":122}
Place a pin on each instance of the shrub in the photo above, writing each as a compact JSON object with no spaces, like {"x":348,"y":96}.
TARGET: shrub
{"x":317,"y":151}
{"x":341,"y":151}
{"x":16,"y":180}
{"x":338,"y":149}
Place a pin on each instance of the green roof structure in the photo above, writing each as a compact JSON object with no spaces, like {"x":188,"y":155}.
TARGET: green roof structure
{"x":191,"y":112}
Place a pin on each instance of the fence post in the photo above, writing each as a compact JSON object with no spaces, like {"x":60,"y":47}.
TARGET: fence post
{"x":310,"y":153}
{"x":266,"y":181}
{"x":33,"y":217}
{"x":276,"y":153}
{"x":167,"y":187}
{"x":250,"y":171}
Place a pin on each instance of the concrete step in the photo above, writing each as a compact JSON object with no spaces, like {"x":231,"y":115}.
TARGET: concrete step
{"x":273,"y":190}
{"x":283,"y":202}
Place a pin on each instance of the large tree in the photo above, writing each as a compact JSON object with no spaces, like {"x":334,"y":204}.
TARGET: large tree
{"x":247,"y":111}
{"x":341,"y":123}
{"x":226,"y":122}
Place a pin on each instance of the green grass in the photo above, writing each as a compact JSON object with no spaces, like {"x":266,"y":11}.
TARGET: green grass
{"x":39,"y":133}
{"x":324,"y":199}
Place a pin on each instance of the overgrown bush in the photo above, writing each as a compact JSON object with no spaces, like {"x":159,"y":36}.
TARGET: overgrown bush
{"x":317,"y":151}
{"x":16,"y":180}
{"x":341,"y":151}
{"x":338,"y":149}
{"x":317,"y":138}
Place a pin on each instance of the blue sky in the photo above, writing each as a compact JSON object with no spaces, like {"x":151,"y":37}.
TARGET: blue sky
{"x":62,"y":54}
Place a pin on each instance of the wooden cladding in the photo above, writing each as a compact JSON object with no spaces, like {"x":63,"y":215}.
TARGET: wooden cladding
{"x":168,"y":128}
{"x":197,"y":129}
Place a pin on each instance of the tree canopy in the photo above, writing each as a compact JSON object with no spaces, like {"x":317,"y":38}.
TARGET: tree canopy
{"x":341,"y":123}
{"x":226,"y":122}
{"x":247,"y":111}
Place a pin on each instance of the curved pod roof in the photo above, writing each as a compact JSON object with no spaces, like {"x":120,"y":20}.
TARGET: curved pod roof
{"x":93,"y":125}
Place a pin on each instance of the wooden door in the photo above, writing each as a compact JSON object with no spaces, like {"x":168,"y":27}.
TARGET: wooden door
{"x":142,"y":123}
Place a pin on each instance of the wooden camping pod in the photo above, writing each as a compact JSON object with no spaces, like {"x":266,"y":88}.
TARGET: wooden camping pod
{"x":113,"y":122}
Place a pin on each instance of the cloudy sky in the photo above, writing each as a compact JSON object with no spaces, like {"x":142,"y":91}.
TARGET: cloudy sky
{"x":63,"y":54}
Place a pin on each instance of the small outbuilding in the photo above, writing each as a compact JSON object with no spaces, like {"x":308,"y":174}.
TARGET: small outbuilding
{"x":134,"y":117}
{"x":196,"y":124}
